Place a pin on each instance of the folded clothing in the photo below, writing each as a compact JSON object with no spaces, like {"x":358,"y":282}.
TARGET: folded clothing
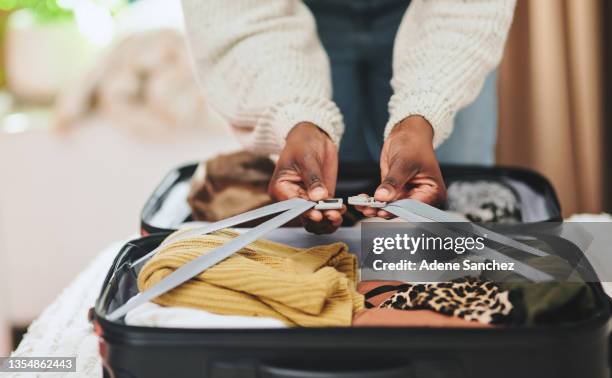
{"x":376,"y":292}
{"x":153,"y":315}
{"x":549,"y":303}
{"x":312,"y":287}
{"x":569,"y":300}
{"x":467,"y":298}
{"x":230,"y":184}
{"x":499,"y":297}
{"x":485,"y":201}
{"x":386,"y":317}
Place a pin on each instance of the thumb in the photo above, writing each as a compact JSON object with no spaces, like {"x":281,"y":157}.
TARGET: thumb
{"x":312,"y":176}
{"x":393,"y":183}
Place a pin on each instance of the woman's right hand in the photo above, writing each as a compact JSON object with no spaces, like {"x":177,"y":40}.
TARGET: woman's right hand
{"x":307,"y":168}
{"x":408,"y":167}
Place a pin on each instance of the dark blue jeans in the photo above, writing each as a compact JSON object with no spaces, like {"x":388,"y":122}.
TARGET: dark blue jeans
{"x":358,"y":36}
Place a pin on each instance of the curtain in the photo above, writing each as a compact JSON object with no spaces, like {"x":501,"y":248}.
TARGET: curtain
{"x":551,"y":98}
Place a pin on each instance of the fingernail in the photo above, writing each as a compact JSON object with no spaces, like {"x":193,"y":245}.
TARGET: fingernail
{"x":382,"y":192}
{"x":317,"y":193}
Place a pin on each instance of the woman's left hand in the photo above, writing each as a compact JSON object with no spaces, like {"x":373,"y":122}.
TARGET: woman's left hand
{"x":408,"y":167}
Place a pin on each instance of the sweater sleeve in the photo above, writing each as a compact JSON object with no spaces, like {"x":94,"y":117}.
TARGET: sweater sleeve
{"x":443,"y":52}
{"x":262,"y":67}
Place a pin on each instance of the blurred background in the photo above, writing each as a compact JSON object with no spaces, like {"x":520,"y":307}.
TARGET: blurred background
{"x":98,"y":101}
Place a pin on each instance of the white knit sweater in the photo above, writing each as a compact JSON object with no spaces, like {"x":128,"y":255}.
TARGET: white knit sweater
{"x":263,"y":67}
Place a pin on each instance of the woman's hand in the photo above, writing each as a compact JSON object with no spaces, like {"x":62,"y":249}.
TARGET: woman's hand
{"x":408,"y":167}
{"x":307,"y":168}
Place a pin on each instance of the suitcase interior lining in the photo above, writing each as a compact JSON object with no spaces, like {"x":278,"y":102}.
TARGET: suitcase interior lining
{"x":167,"y":208}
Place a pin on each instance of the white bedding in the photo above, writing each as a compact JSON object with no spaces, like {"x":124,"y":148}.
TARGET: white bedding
{"x":62,"y":330}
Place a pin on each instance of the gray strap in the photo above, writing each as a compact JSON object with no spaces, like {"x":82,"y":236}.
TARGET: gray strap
{"x":200,"y":264}
{"x":224,"y":223}
{"x":521,"y":268}
{"x":438,"y":215}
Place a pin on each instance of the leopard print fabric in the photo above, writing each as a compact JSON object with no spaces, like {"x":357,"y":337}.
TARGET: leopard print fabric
{"x":467,"y":298}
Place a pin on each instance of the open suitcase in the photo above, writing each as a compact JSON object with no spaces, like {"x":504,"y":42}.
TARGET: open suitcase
{"x":573,"y":350}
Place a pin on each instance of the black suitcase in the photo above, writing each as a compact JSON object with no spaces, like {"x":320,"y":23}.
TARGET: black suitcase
{"x":575,"y":350}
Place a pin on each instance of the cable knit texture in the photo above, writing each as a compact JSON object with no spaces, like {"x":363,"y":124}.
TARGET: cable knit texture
{"x":263,"y":67}
{"x":444,"y":50}
{"x":314,"y":287}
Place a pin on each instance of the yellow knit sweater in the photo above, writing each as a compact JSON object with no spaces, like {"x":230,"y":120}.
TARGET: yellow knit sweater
{"x":312,"y":287}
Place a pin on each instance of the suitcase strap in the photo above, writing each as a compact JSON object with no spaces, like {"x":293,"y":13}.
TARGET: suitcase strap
{"x":409,"y":210}
{"x":434,"y":214}
{"x":224,"y":223}
{"x":432,"y":218}
{"x":200,"y":264}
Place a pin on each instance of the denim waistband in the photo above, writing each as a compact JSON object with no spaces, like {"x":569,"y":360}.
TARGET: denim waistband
{"x":352,"y":7}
